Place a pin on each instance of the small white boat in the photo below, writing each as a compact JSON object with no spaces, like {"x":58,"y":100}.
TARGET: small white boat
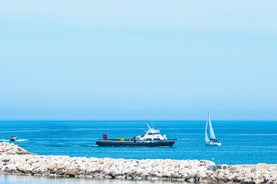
{"x":13,"y":138}
{"x":210,"y":137}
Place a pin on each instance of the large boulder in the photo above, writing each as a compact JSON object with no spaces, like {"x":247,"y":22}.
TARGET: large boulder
{"x":52,"y":167}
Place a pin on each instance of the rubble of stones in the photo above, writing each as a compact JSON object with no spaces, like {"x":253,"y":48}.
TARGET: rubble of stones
{"x":11,"y":149}
{"x":19,"y":161}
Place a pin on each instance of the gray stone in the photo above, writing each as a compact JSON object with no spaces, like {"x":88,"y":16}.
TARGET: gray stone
{"x":235,"y":169}
{"x":262,"y":167}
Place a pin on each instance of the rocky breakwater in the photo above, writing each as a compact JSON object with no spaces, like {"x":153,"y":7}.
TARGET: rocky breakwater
{"x":11,"y":149}
{"x":192,"y":171}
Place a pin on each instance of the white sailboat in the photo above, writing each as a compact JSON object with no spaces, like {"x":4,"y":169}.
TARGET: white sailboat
{"x":210,"y":137}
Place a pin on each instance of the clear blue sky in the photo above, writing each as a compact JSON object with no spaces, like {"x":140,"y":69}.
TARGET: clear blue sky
{"x":141,"y":59}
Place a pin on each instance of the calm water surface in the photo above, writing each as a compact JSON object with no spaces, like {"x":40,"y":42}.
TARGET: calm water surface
{"x":243,"y":142}
{"x":9,"y":179}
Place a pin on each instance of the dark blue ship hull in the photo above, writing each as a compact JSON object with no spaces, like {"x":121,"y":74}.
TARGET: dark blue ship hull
{"x":127,"y":142}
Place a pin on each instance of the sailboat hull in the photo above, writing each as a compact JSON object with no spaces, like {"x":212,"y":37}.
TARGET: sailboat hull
{"x":210,"y":143}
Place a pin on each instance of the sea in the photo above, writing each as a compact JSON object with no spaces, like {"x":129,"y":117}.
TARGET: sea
{"x":243,"y":142}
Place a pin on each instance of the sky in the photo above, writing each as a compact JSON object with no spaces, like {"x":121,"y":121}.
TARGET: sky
{"x":138,"y":60}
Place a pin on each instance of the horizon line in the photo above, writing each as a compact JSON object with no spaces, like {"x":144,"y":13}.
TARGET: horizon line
{"x":136,"y":120}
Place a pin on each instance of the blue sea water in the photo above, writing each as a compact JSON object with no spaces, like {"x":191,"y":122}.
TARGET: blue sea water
{"x":243,"y":142}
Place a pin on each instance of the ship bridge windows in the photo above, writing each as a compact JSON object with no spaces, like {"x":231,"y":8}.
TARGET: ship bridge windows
{"x":153,"y":133}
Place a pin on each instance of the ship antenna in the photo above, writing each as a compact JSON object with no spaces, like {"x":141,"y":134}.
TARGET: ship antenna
{"x":148,"y":125}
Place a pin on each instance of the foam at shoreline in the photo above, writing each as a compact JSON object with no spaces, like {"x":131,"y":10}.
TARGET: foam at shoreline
{"x":15,"y":160}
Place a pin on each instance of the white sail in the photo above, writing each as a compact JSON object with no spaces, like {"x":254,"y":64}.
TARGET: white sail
{"x":206,"y":133}
{"x":212,"y":135}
